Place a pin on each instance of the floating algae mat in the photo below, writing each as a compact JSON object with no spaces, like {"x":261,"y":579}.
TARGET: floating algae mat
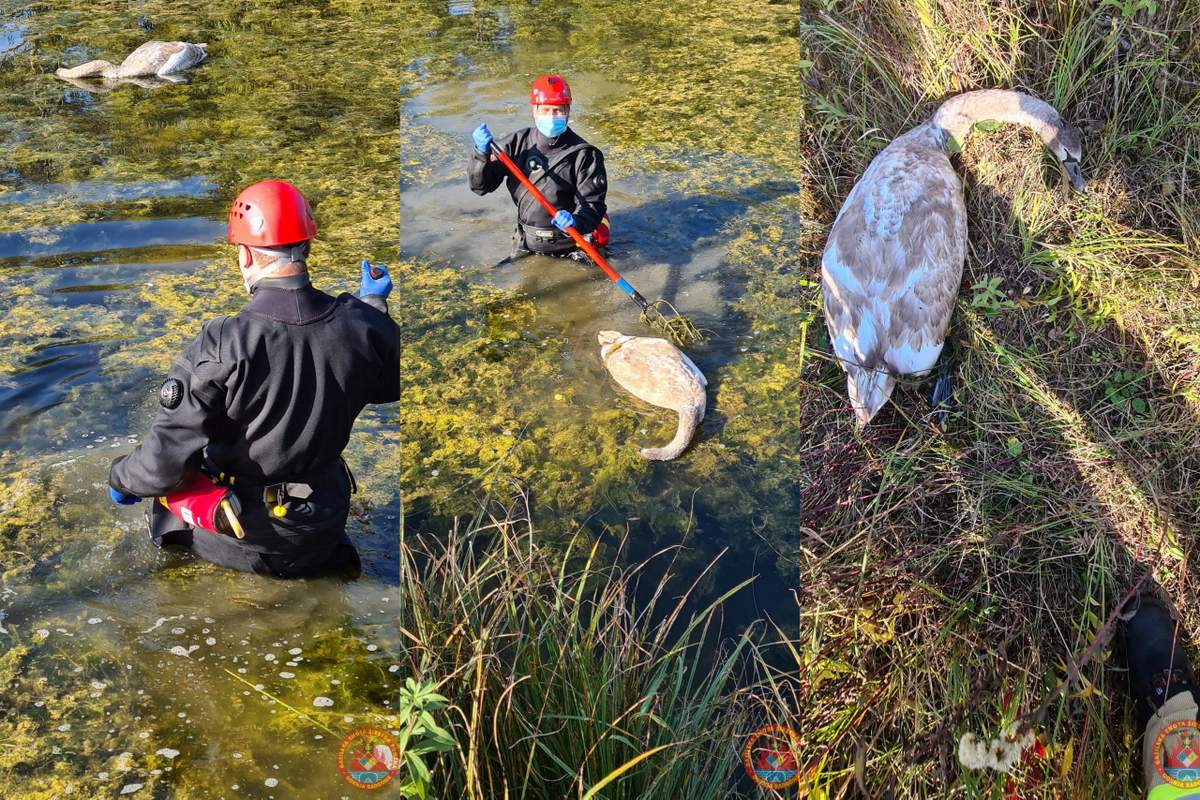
{"x":663,"y":317}
{"x":126,"y":670}
{"x":503,"y":382}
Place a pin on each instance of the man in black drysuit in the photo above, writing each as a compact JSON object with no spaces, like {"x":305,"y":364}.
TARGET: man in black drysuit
{"x":566,"y":169}
{"x":268,"y":397}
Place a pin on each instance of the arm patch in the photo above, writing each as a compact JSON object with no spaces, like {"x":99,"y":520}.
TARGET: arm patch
{"x":170,"y":394}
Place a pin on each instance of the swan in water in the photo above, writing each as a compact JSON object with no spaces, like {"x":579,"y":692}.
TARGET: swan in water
{"x":893,"y":262}
{"x":152,"y":58}
{"x":658,"y":372}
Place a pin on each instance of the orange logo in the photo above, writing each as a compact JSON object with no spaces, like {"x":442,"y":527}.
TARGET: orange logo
{"x":772,"y":757}
{"x":368,"y":758}
{"x":1176,"y":754}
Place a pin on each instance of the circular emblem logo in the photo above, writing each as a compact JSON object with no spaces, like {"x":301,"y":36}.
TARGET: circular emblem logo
{"x":1176,"y":754}
{"x":368,"y":758}
{"x":170,"y":394}
{"x":771,"y":757}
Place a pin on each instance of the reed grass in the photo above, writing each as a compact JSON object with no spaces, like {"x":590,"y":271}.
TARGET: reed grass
{"x":569,"y":676}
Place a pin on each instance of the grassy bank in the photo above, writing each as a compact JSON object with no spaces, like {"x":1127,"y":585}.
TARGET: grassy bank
{"x":959,"y":582}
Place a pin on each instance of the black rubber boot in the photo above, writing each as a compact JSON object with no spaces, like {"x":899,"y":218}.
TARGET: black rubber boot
{"x":1154,"y":653}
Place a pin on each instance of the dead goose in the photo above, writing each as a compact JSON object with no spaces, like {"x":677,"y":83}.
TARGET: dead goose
{"x":893,"y":262}
{"x":152,"y":58}
{"x":656,"y":371}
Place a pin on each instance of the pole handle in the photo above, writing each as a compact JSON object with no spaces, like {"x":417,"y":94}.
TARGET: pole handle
{"x":575,"y":235}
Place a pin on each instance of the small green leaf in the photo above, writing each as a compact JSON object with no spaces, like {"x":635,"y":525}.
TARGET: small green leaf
{"x":988,"y":125}
{"x":417,"y":768}
{"x":1014,"y":446}
{"x":1139,"y":405}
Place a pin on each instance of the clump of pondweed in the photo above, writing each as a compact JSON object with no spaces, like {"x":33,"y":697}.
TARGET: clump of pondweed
{"x":676,"y":327}
{"x":558,"y":677}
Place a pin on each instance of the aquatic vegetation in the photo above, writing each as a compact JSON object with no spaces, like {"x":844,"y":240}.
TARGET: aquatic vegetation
{"x":112,"y":209}
{"x":665,"y":318}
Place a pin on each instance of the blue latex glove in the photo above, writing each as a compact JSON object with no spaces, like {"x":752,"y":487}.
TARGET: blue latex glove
{"x":123,"y":499}
{"x":381,"y":285}
{"x":563,"y":220}
{"x":482,"y":138}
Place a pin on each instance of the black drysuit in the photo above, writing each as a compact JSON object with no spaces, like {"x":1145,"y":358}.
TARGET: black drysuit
{"x":269,"y":396}
{"x":566,"y":169}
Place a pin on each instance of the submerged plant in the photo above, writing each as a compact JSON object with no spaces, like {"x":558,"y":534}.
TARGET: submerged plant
{"x":678,"y":328}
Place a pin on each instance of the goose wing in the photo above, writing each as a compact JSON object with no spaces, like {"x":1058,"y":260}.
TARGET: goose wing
{"x":654,"y":370}
{"x":893,"y":263}
{"x":691,"y":367}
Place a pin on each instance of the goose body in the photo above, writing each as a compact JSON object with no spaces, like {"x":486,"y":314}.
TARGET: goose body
{"x":893,"y":262}
{"x":152,"y":58}
{"x":658,"y":372}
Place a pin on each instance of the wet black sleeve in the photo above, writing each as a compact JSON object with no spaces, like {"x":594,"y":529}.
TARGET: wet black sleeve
{"x":485,"y":174}
{"x":170,"y":453}
{"x":387,"y":387}
{"x":375,"y":301}
{"x":591,"y":190}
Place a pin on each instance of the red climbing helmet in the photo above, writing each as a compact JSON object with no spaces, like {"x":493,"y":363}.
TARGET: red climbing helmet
{"x":271,"y":213}
{"x":550,"y":90}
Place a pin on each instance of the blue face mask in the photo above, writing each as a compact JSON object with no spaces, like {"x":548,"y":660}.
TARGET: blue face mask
{"x":551,"y":126}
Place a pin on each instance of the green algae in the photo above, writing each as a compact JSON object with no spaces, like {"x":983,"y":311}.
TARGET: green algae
{"x":319,"y":112}
{"x":491,"y":399}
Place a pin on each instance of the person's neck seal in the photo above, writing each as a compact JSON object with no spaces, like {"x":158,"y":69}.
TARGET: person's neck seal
{"x":298,"y":281}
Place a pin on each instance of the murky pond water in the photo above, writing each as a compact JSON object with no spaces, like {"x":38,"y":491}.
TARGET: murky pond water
{"x":509,"y":385}
{"x":123,"y":668}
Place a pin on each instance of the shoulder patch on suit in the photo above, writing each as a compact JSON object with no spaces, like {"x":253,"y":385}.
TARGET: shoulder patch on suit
{"x":170,"y":394}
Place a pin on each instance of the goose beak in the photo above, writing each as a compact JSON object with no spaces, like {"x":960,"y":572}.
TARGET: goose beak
{"x":1074,"y":174}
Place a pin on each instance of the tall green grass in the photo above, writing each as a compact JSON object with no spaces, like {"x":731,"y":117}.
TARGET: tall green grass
{"x":562,"y":682}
